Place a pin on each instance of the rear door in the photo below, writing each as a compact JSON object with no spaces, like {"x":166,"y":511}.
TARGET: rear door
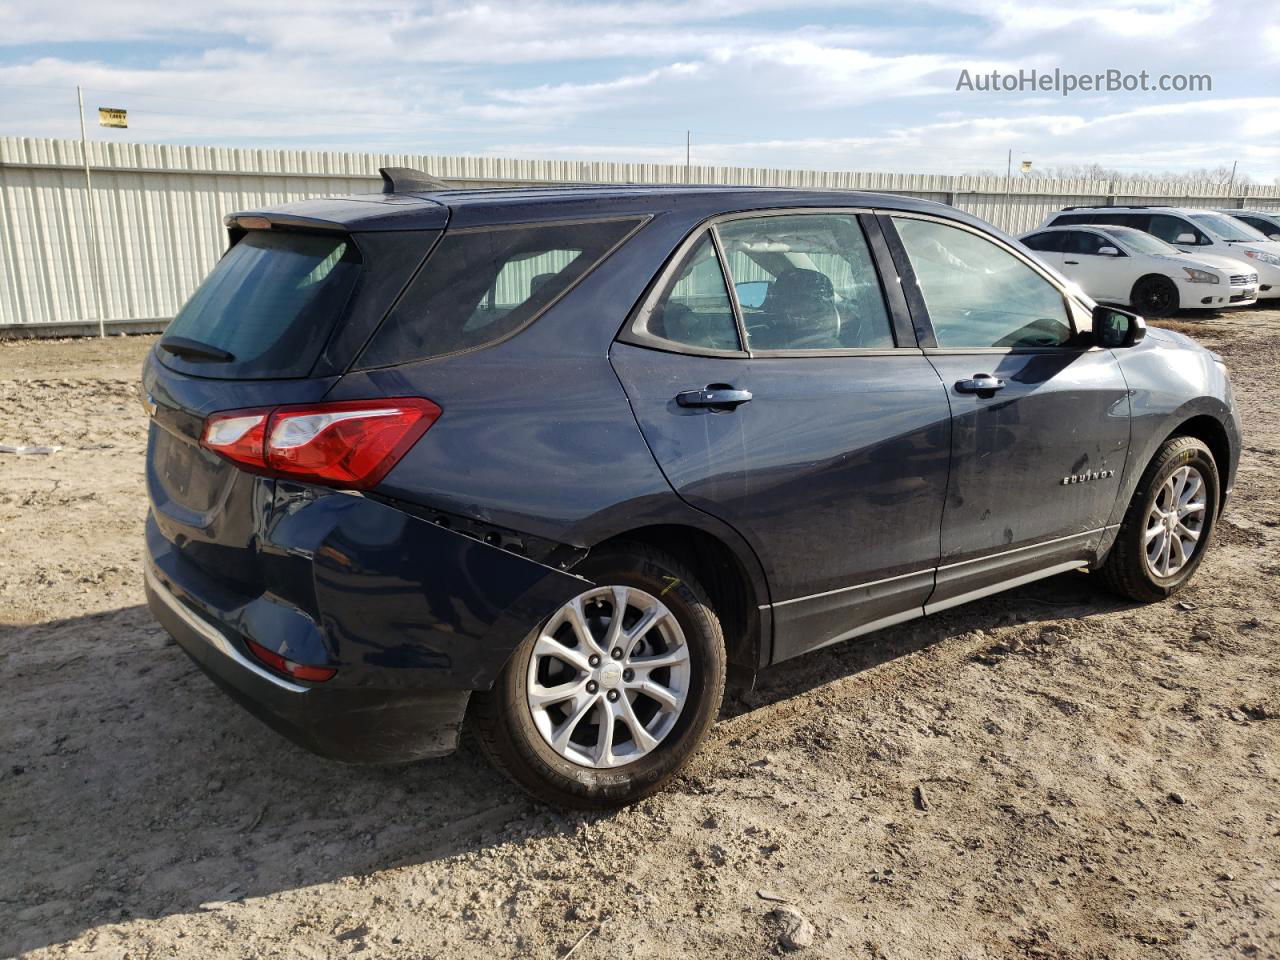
{"x":1040,"y":423}
{"x":1103,"y":277}
{"x":1048,"y":247}
{"x":275,"y":322}
{"x":809,"y":419}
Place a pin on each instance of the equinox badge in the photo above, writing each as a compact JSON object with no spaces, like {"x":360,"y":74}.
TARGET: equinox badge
{"x":1086,"y":477}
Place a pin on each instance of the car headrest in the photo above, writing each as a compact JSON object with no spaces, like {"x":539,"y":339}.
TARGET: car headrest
{"x":798,"y":292}
{"x":538,"y":280}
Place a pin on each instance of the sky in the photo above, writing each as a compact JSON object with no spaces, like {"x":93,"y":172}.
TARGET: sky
{"x":838,"y":86}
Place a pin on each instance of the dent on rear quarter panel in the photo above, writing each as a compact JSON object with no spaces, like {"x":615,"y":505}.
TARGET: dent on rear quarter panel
{"x":412,"y":603}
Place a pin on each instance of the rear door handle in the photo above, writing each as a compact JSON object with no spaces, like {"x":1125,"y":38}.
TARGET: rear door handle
{"x":983,"y":384}
{"x":1074,"y":263}
{"x":714,"y":395}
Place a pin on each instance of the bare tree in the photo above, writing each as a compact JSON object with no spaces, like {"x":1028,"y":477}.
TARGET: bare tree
{"x":1220,"y":175}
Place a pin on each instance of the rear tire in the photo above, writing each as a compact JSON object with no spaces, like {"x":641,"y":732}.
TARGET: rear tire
{"x":582,"y":750}
{"x":1155,"y":296}
{"x":1139,"y":566}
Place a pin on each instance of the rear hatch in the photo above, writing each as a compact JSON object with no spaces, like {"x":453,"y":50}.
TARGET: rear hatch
{"x":276,"y":322}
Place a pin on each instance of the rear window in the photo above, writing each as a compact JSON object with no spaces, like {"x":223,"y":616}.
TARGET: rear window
{"x":1045,"y":242}
{"x":483,"y":285}
{"x":271,"y":303}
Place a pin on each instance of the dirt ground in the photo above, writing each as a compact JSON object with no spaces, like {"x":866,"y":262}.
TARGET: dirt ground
{"x":1097,"y":779}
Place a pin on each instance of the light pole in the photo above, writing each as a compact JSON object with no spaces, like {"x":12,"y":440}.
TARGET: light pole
{"x":92,"y":220}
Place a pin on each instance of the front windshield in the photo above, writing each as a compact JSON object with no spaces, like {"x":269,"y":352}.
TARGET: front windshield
{"x":1143,"y":242}
{"x":1227,"y":228}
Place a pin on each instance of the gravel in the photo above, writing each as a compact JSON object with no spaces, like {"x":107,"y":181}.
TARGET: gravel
{"x":144,"y":814}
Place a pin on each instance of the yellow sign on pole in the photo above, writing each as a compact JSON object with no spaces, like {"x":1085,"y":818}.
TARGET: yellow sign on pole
{"x":1026,"y":166}
{"x":112,"y":117}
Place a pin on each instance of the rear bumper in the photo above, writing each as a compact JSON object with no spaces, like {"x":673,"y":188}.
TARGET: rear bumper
{"x":413,"y":616}
{"x":353,"y":726}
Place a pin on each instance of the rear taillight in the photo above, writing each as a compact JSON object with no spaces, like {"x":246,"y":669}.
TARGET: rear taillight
{"x":350,"y":444}
{"x":298,"y":671}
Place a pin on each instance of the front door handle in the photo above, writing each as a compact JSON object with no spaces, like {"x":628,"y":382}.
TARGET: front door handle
{"x":714,"y":395}
{"x":983,"y":384}
{"x":1074,"y":263}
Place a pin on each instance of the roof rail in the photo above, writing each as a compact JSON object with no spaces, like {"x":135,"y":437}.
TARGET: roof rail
{"x":1107,"y":206}
{"x":409,"y":180}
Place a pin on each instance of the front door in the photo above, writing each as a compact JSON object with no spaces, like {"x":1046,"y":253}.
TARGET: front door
{"x":1040,"y":423}
{"x":792,"y":414}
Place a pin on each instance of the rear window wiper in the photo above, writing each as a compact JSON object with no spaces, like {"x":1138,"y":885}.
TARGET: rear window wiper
{"x":189,"y":349}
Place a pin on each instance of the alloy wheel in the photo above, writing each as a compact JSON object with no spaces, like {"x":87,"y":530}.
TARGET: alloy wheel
{"x":608,"y":677}
{"x":1175,"y":522}
{"x":1157,"y":298}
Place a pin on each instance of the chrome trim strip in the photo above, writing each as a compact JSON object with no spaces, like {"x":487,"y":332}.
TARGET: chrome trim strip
{"x":932,"y":608}
{"x":210,"y":633}
{"x":1030,"y":546}
{"x":945,"y":566}
{"x":856,"y":586}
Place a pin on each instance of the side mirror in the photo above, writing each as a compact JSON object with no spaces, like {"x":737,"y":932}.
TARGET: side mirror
{"x":1108,"y":251}
{"x":1114,"y":328}
{"x":1273,"y":236}
{"x":1186,"y":238}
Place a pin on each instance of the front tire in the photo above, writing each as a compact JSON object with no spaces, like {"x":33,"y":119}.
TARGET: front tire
{"x":605,"y":701}
{"x":1167,"y":526}
{"x":1155,"y":296}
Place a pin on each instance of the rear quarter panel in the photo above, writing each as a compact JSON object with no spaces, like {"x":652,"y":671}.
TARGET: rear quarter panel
{"x":537,"y":434}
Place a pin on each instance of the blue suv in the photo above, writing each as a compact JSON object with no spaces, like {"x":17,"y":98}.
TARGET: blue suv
{"x":561,"y":462}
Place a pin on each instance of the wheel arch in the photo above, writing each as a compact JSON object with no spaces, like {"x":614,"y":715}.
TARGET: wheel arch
{"x":735,"y":594}
{"x":1210,"y":431}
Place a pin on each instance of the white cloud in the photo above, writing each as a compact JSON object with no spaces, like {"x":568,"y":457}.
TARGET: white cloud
{"x":977,"y":143}
{"x":822,"y":83}
{"x":1271,"y":42}
{"x":1015,"y":21}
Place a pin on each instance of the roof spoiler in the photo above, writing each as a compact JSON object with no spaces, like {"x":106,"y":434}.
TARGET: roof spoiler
{"x":409,"y":180}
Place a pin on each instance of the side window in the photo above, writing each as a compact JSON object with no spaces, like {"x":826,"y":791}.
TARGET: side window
{"x":979,"y":294}
{"x":1046,"y":242}
{"x":806,"y":282}
{"x":694,"y":309}
{"x":1081,"y":241}
{"x":517,"y":281}
{"x":1267,"y":228}
{"x":1169,"y":228}
{"x":481,"y":286}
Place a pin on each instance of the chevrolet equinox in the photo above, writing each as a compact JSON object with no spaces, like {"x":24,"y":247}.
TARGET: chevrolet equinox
{"x":559,"y":462}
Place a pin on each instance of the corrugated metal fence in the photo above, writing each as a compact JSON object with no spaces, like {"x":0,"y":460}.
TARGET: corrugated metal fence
{"x":159,"y":209}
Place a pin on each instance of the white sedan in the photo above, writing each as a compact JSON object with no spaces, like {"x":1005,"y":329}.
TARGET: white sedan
{"x":1125,"y":266}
